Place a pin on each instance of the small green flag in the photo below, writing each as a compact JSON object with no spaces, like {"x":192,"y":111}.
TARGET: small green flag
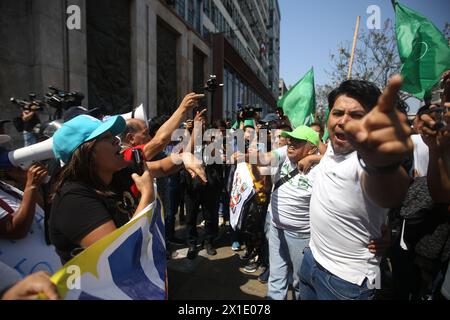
{"x":300,"y":101}
{"x":423,"y":50}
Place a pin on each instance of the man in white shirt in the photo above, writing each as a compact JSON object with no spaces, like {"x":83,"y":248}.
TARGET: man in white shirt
{"x":289,"y":209}
{"x":358,"y":178}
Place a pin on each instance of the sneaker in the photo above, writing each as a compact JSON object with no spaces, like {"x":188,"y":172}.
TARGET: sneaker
{"x":202,"y":224}
{"x":236,"y":246}
{"x":192,"y":252}
{"x":264,"y":276}
{"x":245,"y":255}
{"x":210,"y":249}
{"x":251,"y":267}
{"x":221,"y":221}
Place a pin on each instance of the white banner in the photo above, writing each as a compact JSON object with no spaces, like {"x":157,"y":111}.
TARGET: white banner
{"x":242,"y":190}
{"x":30,"y":254}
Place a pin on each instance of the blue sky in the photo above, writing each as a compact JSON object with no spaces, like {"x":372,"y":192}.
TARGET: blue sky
{"x":312,"y":29}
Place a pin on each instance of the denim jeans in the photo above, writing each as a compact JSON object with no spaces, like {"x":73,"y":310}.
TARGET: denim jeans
{"x":28,"y":138}
{"x":317,"y":283}
{"x":285,"y":258}
{"x":173,"y":202}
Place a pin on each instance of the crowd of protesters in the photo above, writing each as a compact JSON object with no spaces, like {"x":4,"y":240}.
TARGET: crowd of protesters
{"x":324,"y":216}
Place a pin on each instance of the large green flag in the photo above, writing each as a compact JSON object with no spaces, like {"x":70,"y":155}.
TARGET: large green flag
{"x":299,"y":103}
{"x":423,"y":50}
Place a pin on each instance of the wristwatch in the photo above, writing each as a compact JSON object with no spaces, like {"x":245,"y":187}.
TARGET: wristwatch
{"x":374,"y":170}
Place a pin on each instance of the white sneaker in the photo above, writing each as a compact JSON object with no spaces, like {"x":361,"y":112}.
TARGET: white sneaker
{"x":221,"y":221}
{"x":202,"y":224}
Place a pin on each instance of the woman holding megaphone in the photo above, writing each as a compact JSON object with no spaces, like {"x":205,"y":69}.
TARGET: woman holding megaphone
{"x":84,"y":209}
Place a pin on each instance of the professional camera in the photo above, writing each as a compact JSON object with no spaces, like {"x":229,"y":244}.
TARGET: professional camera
{"x":29,"y":105}
{"x":212,"y":84}
{"x":62,"y":100}
{"x":247,"y":112}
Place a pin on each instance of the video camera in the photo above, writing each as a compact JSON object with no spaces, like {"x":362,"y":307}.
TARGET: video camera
{"x":212,"y":84}
{"x":29,"y":105}
{"x":63,"y":100}
{"x":247,"y":112}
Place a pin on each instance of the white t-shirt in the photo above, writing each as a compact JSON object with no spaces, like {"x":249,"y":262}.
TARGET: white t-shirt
{"x":289,"y":204}
{"x":344,"y":220}
{"x":421,"y":155}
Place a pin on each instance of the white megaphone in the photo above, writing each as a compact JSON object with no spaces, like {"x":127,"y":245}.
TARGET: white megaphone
{"x":24,"y":157}
{"x":138,"y":113}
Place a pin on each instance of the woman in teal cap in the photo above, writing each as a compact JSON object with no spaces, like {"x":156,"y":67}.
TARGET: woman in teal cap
{"x":84,"y":209}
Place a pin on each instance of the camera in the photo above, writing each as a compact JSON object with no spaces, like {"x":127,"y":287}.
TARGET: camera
{"x":212,"y":84}
{"x":31,"y":105}
{"x":248,"y":112}
{"x":62,"y":100}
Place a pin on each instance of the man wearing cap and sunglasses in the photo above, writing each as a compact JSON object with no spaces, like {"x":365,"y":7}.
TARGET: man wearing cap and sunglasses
{"x":289,"y":209}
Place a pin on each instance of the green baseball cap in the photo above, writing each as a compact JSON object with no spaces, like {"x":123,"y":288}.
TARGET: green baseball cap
{"x":303,"y":133}
{"x":249,"y":123}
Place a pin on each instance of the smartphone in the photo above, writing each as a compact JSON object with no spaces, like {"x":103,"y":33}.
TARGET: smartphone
{"x":138,"y":161}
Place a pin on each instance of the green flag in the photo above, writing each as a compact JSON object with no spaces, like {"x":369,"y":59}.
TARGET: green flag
{"x":300,"y":101}
{"x":423,"y":50}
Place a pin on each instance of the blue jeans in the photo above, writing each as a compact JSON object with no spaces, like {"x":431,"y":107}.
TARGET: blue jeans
{"x":317,"y":283}
{"x":285,"y":259}
{"x":28,"y":138}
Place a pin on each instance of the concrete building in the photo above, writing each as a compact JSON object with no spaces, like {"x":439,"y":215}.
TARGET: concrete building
{"x":281,"y":88}
{"x":121,"y":53}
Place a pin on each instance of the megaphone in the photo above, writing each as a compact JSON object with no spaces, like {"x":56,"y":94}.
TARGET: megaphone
{"x":138,"y":113}
{"x":24,"y":157}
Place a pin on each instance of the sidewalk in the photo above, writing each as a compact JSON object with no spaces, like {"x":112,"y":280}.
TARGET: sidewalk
{"x":213,"y":277}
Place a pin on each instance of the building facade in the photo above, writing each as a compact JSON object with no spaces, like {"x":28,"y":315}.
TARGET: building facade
{"x":281,"y":88}
{"x":128,"y":52}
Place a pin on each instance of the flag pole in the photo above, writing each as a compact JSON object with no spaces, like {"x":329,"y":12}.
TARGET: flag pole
{"x":355,"y":38}
{"x":393,"y":2}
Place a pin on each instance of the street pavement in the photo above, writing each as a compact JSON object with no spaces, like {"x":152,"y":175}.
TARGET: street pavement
{"x":219,"y":277}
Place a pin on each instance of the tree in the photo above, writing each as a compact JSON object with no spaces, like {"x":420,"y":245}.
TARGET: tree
{"x":376,"y":57}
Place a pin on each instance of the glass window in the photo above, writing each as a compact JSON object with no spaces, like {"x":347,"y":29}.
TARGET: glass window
{"x":181,"y":8}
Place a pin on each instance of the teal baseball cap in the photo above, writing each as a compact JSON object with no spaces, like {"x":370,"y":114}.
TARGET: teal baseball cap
{"x":81,"y":129}
{"x":303,"y":133}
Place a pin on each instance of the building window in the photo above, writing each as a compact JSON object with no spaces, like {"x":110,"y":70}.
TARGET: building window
{"x":207,"y":7}
{"x":190,"y":12}
{"x":181,"y":8}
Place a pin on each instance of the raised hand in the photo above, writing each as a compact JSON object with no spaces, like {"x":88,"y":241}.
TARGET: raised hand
{"x":382,"y":137}
{"x":36,"y":175}
{"x":191,"y":100}
{"x":194,"y":166}
{"x":144,"y":182}
{"x":199,"y":115}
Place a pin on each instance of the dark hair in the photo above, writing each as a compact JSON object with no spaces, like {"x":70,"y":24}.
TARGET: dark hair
{"x":281,"y":124}
{"x":219,"y":123}
{"x":365,"y":92}
{"x":155,"y":123}
{"x":81,"y":168}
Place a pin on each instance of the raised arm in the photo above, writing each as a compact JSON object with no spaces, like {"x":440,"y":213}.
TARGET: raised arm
{"x":16,"y":225}
{"x":163,"y":135}
{"x":382,"y":140}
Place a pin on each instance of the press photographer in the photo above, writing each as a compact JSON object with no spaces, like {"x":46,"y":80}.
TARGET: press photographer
{"x":28,"y":121}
